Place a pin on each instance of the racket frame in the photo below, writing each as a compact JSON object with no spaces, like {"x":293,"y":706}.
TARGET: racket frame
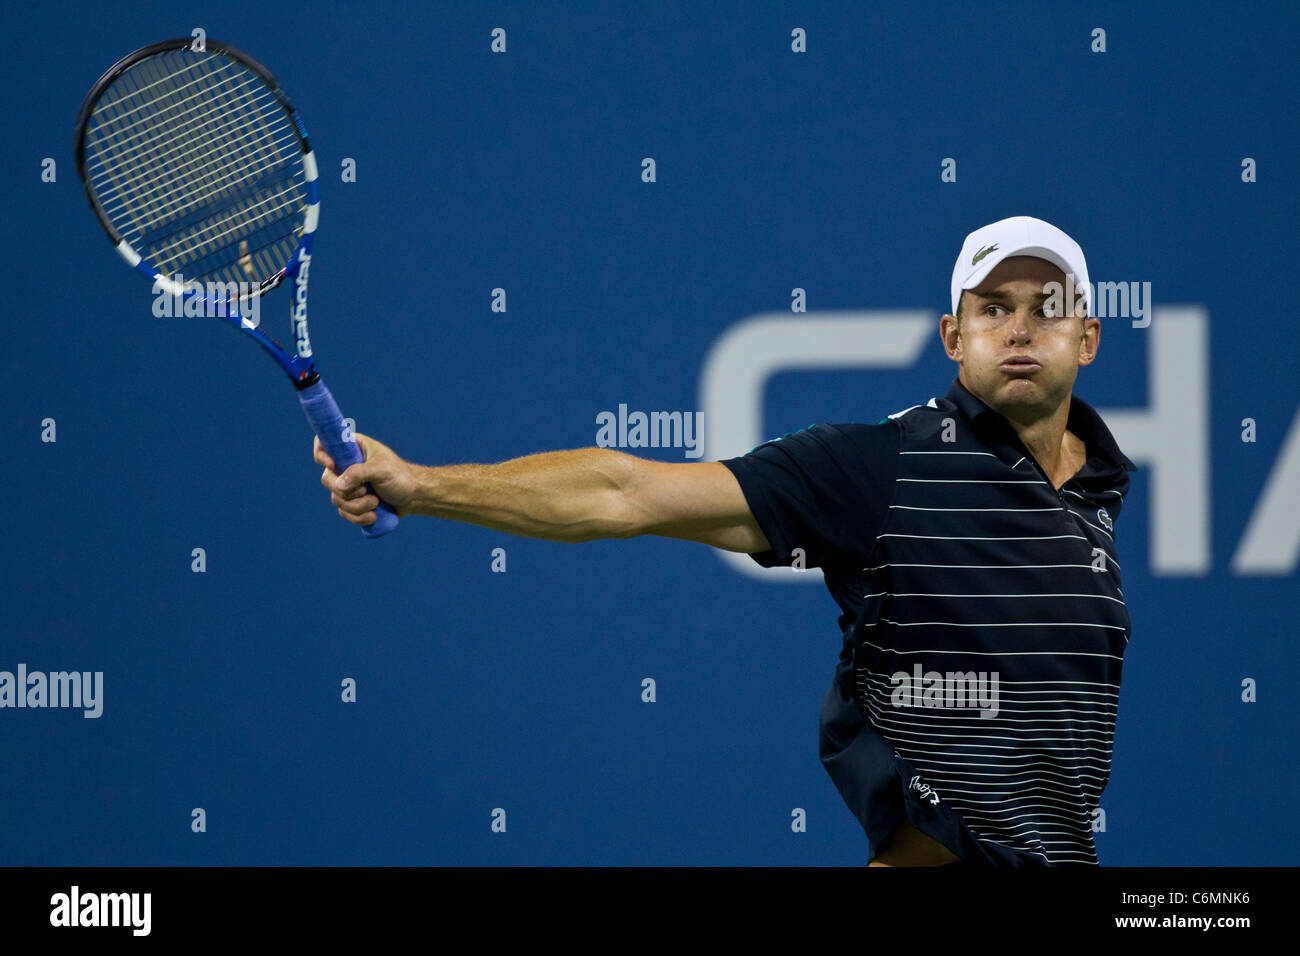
{"x":297,"y":364}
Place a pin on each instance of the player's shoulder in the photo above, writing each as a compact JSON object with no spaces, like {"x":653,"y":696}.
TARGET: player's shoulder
{"x":830,"y":432}
{"x":875,"y":438}
{"x":935,"y":407}
{"x":920,"y":423}
{"x":848,"y":441}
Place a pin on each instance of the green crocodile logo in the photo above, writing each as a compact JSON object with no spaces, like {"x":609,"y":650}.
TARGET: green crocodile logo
{"x":982,"y":253}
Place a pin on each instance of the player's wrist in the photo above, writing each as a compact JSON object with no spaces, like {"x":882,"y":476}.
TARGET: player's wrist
{"x":425,"y":486}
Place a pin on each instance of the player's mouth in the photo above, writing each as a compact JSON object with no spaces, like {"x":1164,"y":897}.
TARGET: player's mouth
{"x":1020,"y":365}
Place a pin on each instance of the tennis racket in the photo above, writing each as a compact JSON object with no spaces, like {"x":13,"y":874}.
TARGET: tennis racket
{"x":199,"y":169}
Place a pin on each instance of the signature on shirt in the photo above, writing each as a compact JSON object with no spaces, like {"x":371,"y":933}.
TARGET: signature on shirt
{"x":925,"y":790}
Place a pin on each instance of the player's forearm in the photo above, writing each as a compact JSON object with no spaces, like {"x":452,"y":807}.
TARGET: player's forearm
{"x":571,"y":496}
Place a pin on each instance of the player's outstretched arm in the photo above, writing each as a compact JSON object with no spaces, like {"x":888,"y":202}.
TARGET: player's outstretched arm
{"x":580,"y":495}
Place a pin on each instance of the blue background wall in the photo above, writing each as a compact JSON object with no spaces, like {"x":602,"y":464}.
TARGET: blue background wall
{"x":522,"y":171}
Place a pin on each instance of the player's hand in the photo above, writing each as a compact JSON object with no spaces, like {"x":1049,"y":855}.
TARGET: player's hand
{"x":387,"y":474}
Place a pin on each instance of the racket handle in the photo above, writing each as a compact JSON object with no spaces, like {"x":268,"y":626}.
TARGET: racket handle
{"x":327,"y":421}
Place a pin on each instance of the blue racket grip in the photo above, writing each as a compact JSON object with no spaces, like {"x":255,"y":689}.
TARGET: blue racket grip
{"x":327,"y":421}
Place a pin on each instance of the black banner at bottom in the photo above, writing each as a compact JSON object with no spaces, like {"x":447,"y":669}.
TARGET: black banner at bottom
{"x":661,"y":906}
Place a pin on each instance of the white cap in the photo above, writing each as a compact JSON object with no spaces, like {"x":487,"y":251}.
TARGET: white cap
{"x":1018,"y":236}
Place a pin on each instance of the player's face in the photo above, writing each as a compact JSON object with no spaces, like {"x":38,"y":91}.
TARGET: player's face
{"x":1015,"y":353}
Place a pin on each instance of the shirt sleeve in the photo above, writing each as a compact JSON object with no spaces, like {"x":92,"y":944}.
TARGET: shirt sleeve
{"x":825,"y":490}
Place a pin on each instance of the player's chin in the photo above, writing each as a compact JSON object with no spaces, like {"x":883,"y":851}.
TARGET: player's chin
{"x":1018,"y":382}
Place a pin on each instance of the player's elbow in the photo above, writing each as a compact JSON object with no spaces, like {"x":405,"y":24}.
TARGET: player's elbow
{"x":606,"y":524}
{"x":597,"y":522}
{"x":607,"y":507}
{"x":622,"y":512}
{"x":621,"y":518}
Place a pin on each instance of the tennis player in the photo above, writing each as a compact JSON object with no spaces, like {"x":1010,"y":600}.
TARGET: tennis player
{"x":968,"y":542}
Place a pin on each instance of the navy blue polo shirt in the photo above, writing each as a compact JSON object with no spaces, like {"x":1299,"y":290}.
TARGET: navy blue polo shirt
{"x":983,"y":626}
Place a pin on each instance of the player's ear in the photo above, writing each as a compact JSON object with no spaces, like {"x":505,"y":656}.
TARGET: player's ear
{"x":950,"y":336}
{"x":1089,"y":341}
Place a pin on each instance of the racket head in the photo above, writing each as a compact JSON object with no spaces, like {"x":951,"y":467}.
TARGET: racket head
{"x":199,"y":170}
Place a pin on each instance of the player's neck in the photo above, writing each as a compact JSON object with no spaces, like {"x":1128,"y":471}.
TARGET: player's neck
{"x":1057,"y":450}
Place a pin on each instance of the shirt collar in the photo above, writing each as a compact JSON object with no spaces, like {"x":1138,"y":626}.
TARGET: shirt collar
{"x":1104,"y":455}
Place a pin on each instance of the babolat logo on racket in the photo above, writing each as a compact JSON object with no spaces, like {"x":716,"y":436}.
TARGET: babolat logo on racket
{"x":300,"y":305}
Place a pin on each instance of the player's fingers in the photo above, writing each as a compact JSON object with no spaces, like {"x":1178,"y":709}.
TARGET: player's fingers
{"x":318,"y":453}
{"x":356,"y":477}
{"x":365,"y":443}
{"x":355,"y":506}
{"x":327,"y":478}
{"x":349,"y":492}
{"x":368,"y":518}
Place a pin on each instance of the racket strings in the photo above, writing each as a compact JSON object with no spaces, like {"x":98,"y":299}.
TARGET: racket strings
{"x":217,"y":177}
{"x":141,"y":139}
{"x":266,"y":250}
{"x":197,"y":165}
{"x":194,"y":118}
{"x":189,"y":161}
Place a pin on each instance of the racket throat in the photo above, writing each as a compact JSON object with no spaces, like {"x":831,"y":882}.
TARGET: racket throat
{"x":312,"y":377}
